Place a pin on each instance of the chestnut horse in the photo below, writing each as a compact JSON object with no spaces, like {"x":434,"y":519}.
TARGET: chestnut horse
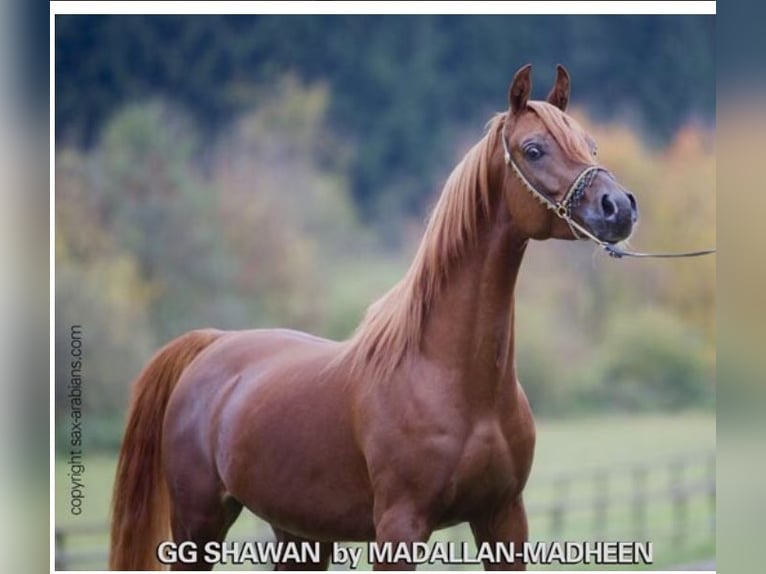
{"x":415,"y":423}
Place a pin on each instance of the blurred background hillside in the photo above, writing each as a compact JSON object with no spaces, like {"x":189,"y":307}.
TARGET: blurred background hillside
{"x":264,"y":171}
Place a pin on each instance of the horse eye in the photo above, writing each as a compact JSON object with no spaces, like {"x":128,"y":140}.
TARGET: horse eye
{"x":533,"y":152}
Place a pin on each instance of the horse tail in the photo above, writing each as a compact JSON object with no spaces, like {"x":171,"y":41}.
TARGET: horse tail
{"x":140,"y":500}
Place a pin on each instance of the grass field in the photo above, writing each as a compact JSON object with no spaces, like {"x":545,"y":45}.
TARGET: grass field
{"x":579,"y":449}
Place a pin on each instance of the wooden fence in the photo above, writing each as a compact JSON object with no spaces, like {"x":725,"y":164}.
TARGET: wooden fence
{"x":673,"y":498}
{"x":670,"y":502}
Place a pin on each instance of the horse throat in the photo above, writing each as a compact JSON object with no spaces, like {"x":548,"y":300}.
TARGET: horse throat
{"x":469,"y":329}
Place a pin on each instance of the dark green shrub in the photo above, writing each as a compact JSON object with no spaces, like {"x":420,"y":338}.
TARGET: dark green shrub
{"x":651,"y":361}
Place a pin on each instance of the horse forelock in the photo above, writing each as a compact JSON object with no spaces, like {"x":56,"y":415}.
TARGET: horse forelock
{"x":570,"y":136}
{"x":393,"y":324}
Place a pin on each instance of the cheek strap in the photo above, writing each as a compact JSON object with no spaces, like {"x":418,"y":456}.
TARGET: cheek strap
{"x":563,"y":208}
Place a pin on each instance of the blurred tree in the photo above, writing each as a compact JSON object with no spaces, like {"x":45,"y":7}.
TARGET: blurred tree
{"x":399,"y":84}
{"x":283,"y":204}
{"x":98,"y":286}
{"x":152,"y":196}
{"x":651,"y":361}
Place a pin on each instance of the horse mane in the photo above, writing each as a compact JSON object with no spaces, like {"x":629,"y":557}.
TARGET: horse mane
{"x":393,"y":324}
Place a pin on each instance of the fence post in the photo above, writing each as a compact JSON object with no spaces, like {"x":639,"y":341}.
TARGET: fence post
{"x":59,"y":560}
{"x":600,"y":503}
{"x":561,"y":495}
{"x":679,"y":496}
{"x":639,"y":502}
{"x":711,"y":491}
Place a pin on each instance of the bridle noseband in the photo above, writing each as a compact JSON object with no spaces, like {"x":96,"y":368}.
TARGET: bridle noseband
{"x":563,"y":208}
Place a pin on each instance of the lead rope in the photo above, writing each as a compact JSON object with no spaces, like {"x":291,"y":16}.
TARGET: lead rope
{"x":562,"y":210}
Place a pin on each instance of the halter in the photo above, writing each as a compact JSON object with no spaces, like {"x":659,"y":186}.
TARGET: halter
{"x":563,"y":208}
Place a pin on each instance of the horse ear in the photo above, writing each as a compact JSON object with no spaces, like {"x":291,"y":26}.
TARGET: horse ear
{"x":521,"y":87}
{"x":559,"y":95}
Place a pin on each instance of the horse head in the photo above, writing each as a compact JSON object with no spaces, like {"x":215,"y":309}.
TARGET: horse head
{"x":554,"y":186}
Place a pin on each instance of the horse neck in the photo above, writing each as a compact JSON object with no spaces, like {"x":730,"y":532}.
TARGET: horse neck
{"x":469,"y":330}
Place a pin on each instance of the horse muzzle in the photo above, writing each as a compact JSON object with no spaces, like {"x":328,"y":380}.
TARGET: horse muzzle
{"x":612,"y":215}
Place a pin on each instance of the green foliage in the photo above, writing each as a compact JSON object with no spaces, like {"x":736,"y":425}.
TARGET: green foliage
{"x":650,"y":360}
{"x":147,"y":185}
{"x":98,"y":286}
{"x":398,"y":84}
{"x":282,"y":196}
{"x":543,"y":362}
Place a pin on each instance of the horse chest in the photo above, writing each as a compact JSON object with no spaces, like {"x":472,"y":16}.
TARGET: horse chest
{"x":492,"y":466}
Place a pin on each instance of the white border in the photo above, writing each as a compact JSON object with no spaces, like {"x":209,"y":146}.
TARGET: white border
{"x":390,"y":7}
{"x":585,"y":7}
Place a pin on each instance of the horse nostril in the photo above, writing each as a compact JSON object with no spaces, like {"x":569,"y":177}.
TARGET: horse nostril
{"x":633,"y":207}
{"x":608,"y":206}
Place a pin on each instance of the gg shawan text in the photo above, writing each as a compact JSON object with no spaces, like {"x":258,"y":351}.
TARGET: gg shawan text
{"x":447,"y":553}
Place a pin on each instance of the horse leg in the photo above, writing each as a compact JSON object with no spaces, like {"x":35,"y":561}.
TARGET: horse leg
{"x":202,"y":519}
{"x":507,"y":523}
{"x":325,"y":549}
{"x":400,"y":524}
